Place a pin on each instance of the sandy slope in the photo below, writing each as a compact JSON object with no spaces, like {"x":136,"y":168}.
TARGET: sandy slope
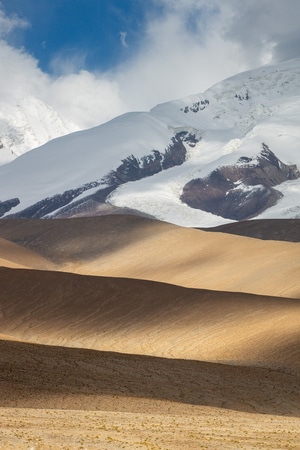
{"x":59,"y":397}
{"x":143,"y":317}
{"x":17,"y":256}
{"x":135,"y":247}
{"x":82,"y":379}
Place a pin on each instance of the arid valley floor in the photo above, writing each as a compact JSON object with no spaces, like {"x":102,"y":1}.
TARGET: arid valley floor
{"x":121,"y":332}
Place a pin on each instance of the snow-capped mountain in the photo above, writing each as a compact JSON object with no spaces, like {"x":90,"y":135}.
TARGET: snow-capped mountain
{"x":228,"y":154}
{"x":28,"y":123}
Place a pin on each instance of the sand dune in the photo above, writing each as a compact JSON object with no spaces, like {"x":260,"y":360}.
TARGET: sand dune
{"x":135,"y":247}
{"x":17,"y":256}
{"x":143,"y":317}
{"x":136,"y":363}
{"x":81,"y":379}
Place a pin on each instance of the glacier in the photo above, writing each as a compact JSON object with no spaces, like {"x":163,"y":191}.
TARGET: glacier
{"x":228,"y":122}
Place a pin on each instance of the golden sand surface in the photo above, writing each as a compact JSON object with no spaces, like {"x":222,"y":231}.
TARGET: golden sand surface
{"x":210,"y":428}
{"x":16,"y":256}
{"x":122,"y":332}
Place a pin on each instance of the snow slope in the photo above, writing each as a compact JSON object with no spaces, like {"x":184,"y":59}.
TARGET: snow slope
{"x":28,"y":124}
{"x":229,"y":121}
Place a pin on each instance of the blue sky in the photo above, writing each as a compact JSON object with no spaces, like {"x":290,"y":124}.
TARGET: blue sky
{"x":103,"y":32}
{"x":94,"y":59}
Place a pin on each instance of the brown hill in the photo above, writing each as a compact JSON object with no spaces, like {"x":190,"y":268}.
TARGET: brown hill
{"x":135,"y":247}
{"x":59,"y":377}
{"x":143,"y":317}
{"x":267,"y":229}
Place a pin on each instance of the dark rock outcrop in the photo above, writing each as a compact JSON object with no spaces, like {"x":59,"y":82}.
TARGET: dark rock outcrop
{"x":243,"y":190}
{"x":7,"y":205}
{"x":50,"y":204}
{"x":131,"y":169}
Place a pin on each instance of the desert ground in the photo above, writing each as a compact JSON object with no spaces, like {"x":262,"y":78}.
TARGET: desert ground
{"x":124,"y":332}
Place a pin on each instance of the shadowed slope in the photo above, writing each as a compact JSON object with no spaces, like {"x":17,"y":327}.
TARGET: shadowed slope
{"x":135,"y":247}
{"x":267,"y":229}
{"x":57,"y":377}
{"x":142,"y":317}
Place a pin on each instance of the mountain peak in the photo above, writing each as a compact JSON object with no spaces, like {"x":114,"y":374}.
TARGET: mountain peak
{"x":240,"y":138}
{"x":28,"y":123}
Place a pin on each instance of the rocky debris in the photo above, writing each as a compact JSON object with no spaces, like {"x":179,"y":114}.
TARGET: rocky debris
{"x":85,"y":205}
{"x":196,"y":106}
{"x":244,"y":96}
{"x":243,"y":190}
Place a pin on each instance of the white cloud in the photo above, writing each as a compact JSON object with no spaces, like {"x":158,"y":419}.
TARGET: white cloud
{"x":174,"y":61}
{"x":66,"y":62}
{"x":19,"y":74}
{"x":88,"y":99}
{"x":185,"y":49}
{"x":85,"y":98}
{"x":265,"y":28}
{"x":193,"y":44}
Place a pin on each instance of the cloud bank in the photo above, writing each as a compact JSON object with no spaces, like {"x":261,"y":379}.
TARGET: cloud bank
{"x":186,"y":46}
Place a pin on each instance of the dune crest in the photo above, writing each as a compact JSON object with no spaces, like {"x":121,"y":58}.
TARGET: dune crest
{"x":136,"y":247}
{"x":144,"y":317}
{"x":17,"y":256}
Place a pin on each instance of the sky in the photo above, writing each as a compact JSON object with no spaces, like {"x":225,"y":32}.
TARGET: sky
{"x":92,"y":60}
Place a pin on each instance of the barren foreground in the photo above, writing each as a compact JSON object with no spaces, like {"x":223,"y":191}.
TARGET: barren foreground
{"x":55,"y":397}
{"x":102,"y":362}
{"x":209,"y":428}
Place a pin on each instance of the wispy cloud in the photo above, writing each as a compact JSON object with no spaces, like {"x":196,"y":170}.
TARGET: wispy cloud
{"x":67,"y":61}
{"x":10,"y":23}
{"x":123,"y":36}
